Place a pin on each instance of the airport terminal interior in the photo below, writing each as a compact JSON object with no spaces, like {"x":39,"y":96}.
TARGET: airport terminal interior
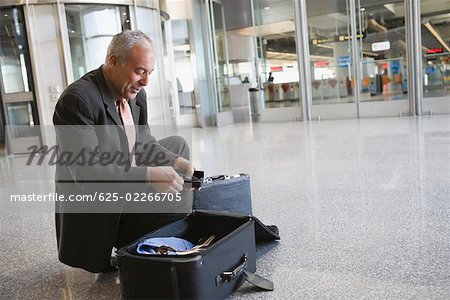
{"x":338,"y":110}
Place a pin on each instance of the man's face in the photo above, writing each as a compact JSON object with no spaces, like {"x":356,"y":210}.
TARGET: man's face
{"x":129,"y":78}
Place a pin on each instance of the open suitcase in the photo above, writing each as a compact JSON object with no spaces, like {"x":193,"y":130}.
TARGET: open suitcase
{"x":213,"y":273}
{"x":225,"y":193}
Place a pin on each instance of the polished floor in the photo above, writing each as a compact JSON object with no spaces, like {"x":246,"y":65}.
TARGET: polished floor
{"x":363,"y":208}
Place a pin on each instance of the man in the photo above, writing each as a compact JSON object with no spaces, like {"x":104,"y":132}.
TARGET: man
{"x":112,"y":95}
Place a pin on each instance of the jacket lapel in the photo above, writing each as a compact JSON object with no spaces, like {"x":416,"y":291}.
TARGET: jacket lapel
{"x":108,"y":101}
{"x":112,"y":111}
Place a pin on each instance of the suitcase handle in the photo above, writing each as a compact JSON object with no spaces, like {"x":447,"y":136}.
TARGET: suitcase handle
{"x":228,"y":276}
{"x":217,"y":177}
{"x":222,"y":177}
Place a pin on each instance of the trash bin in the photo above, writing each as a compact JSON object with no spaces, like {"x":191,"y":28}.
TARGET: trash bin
{"x":256,"y":102}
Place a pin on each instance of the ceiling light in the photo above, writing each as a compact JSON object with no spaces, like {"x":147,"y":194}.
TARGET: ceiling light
{"x":267,"y":7}
{"x":437,"y":36}
{"x":363,"y":9}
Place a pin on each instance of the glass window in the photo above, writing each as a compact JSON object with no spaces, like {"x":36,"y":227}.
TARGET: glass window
{"x":435,"y":16}
{"x":277,"y":63}
{"x":380,"y":37}
{"x":14,"y":52}
{"x":220,"y":56}
{"x":91,"y":28}
{"x":188,"y":77}
{"x":381,"y":27}
{"x":330,"y":52}
{"x":17,"y":97}
{"x":148,"y":21}
{"x":184,"y":70}
{"x":21,"y":116}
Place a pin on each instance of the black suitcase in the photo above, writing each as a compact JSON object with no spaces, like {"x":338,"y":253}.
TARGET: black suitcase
{"x":225,"y":193}
{"x":213,"y":273}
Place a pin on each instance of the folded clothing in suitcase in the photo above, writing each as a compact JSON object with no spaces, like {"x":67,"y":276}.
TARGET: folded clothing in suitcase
{"x":212,"y":273}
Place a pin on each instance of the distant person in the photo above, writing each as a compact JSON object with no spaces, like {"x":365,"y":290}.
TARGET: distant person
{"x":270,"y":79}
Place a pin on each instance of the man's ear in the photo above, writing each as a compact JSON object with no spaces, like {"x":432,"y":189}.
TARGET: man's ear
{"x":113,"y":60}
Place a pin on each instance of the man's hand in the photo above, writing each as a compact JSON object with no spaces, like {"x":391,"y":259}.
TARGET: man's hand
{"x":165,"y":180}
{"x":184,"y":166}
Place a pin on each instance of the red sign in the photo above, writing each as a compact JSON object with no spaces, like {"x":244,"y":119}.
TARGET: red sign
{"x":321,"y":63}
{"x":434,"y":50}
{"x":275,"y":69}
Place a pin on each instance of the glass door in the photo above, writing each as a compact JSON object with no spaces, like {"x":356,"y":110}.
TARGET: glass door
{"x":220,"y":61}
{"x":435,"y":20}
{"x":16,"y":84}
{"x":330,"y":47}
{"x":358,"y":58}
{"x":277,"y":61}
{"x":383,"y":84}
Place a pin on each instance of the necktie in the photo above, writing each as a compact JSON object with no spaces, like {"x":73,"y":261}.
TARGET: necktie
{"x":128,"y":124}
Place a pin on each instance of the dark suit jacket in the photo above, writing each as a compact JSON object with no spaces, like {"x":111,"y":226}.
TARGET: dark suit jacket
{"x":86,"y":120}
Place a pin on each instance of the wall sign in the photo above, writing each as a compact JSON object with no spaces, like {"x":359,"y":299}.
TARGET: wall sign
{"x":381,"y":46}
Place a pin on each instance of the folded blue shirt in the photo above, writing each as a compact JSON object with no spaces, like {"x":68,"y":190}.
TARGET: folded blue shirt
{"x":150,"y":245}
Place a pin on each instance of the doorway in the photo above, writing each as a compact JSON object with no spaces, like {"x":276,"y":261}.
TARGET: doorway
{"x":19,"y":117}
{"x":221,"y":67}
{"x":358,"y":58}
